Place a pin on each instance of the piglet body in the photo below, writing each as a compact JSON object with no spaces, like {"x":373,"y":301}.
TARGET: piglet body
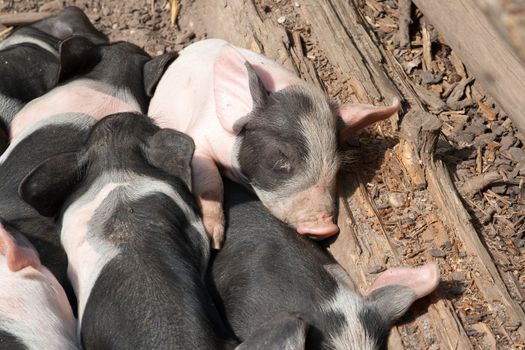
{"x":261,"y":126}
{"x":264,"y":269}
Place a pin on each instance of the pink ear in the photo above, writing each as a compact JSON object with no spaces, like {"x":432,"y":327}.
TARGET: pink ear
{"x":231,"y":86}
{"x":359,"y":116}
{"x":422,"y":280}
{"x":18,"y":257}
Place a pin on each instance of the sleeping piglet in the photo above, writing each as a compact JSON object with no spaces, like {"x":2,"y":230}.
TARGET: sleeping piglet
{"x":34,"y":310}
{"x":30,"y":61}
{"x":261,"y":126}
{"x":265,"y":268}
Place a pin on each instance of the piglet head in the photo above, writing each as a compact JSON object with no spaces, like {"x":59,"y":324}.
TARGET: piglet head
{"x":287,"y":140}
{"x":123,"y":142}
{"x":286,"y":146}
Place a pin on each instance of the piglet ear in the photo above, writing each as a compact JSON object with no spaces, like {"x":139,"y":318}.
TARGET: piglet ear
{"x":171,"y":151}
{"x":422,"y":280}
{"x":154,"y":69}
{"x":18,"y":256}
{"x":238,"y":89}
{"x":286,"y":332}
{"x":77,"y":55}
{"x":48,"y":185}
{"x":391,"y":302}
{"x":396,"y":289}
{"x":358,"y":116}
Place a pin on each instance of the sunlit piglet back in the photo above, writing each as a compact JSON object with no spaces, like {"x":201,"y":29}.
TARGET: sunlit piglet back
{"x":34,"y":310}
{"x":260,"y":125}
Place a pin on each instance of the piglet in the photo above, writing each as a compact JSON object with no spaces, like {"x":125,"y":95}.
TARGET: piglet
{"x":30,"y":61}
{"x":261,"y":126}
{"x":136,"y":246}
{"x":34,"y":310}
{"x":116,"y":77}
{"x":265,"y":268}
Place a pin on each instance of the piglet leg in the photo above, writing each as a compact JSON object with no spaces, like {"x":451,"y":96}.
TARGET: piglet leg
{"x":208,"y":189}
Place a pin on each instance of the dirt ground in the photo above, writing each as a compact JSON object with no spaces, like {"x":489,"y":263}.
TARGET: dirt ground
{"x":478,"y":143}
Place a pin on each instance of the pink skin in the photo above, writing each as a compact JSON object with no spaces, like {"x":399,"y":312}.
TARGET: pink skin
{"x":204,"y":93}
{"x":423,"y":280}
{"x":32,"y":299}
{"x":322,"y":229}
{"x":70,"y":98}
{"x":18,"y":257}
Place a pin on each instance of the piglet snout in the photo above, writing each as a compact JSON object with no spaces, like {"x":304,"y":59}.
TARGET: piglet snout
{"x":319,"y":229}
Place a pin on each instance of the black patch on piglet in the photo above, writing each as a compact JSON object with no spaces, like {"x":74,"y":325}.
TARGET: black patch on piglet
{"x":287,"y":332}
{"x":273,"y":149}
{"x":10,"y":341}
{"x":154,"y":69}
{"x":4,"y":139}
{"x":171,"y":151}
{"x":384,"y":306}
{"x":68,"y":22}
{"x":77,"y":55}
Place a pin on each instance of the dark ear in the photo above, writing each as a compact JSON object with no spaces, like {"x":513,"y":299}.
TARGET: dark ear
{"x":4,"y":139}
{"x":392,"y":302}
{"x":171,"y":151}
{"x":238,"y":89}
{"x":284,"y":333}
{"x":257,"y":89}
{"x":48,"y":185}
{"x":154,"y":69}
{"x":259,"y":96}
{"x":77,"y":55}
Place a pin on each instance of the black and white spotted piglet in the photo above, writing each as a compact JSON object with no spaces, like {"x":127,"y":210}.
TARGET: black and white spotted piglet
{"x":265,"y":268}
{"x":137,"y":249}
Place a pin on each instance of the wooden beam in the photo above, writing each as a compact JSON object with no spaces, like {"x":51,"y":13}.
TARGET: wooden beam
{"x":18,"y":19}
{"x":484,"y":51}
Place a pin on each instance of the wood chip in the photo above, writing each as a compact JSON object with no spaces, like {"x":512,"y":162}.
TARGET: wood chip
{"x":458,"y":65}
{"x":404,"y":22}
{"x":489,"y":113}
{"x":427,"y":49}
{"x":477,"y":183}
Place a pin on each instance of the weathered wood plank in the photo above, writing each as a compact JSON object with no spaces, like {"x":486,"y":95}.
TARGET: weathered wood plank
{"x":486,"y":54}
{"x":17,"y":19}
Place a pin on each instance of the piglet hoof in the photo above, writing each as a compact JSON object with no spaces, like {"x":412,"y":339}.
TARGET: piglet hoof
{"x":215,"y":229}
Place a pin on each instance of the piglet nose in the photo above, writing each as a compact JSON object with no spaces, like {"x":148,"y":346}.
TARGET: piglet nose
{"x":319,"y":231}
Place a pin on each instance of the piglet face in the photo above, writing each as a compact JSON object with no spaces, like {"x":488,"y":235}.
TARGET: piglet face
{"x":288,"y":153}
